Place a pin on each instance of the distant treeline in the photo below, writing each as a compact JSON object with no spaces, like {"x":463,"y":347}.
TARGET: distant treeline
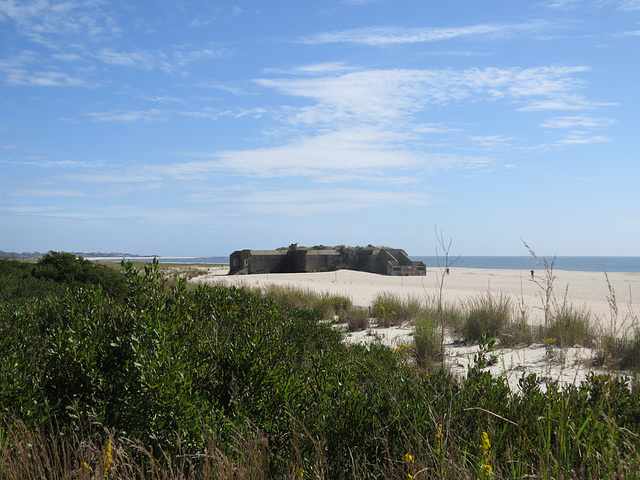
{"x":4,"y":254}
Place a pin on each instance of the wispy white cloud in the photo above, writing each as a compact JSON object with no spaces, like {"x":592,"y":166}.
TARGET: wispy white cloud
{"x":367,"y":121}
{"x":215,"y":15}
{"x":129,"y":59}
{"x":214,"y":114}
{"x":127,"y":116}
{"x":40,"y":20}
{"x":562,"y":4}
{"x":381,"y":36}
{"x":309,"y":201}
{"x":93,"y":214}
{"x":41,"y":162}
{"x":624,"y":5}
{"x":628,"y":33}
{"x":578,"y":121}
{"x":173,"y":61}
{"x":566,"y":103}
{"x":28,"y":68}
{"x":582,"y":138}
{"x":629,"y":5}
{"x":44,"y":192}
{"x":67,"y":57}
{"x":369,"y":149}
{"x":45,"y":78}
{"x":206,"y":112}
{"x":492,"y":141}
{"x":315,"y":69}
{"x":362,"y":177}
{"x":359,"y":2}
{"x":392,"y":95}
{"x":360,"y":148}
{"x":185,"y":55}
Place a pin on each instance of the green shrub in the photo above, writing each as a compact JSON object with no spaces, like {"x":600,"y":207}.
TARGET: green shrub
{"x":631,"y":352}
{"x":394,"y":310}
{"x":356,"y":319}
{"x":519,"y":332}
{"x":427,"y":342}
{"x":334,"y":305}
{"x":571,"y":326}
{"x":290,"y":297}
{"x":486,"y":315}
{"x":621,"y":352}
{"x":55,"y":272}
{"x":17,"y":282}
{"x":223,"y":383}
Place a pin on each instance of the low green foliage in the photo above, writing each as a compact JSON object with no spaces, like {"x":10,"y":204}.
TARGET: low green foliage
{"x":427,"y":344}
{"x":623,"y":352}
{"x":291,"y":297}
{"x":168,"y":382}
{"x":486,"y":315}
{"x":356,"y":319}
{"x":53,"y":274}
{"x":572,"y":326}
{"x":393,"y":310}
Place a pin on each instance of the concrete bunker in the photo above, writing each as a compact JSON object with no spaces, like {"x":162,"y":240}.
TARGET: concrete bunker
{"x":381,"y":260}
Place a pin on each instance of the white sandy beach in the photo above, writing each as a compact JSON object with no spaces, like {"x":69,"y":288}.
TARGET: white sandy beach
{"x":581,"y":289}
{"x":587,"y":290}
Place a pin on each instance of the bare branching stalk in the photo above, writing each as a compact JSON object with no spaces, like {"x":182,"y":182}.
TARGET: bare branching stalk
{"x":443,"y":248}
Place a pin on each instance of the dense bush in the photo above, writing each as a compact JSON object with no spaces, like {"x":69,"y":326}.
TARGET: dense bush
{"x":572,"y":326}
{"x":486,"y":315}
{"x":53,"y":274}
{"x":225,"y":376}
{"x":17,"y":282}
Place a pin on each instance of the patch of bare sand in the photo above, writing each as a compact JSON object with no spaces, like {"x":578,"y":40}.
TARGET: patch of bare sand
{"x":588,"y":290}
{"x":582,"y":290}
{"x":569,"y":365}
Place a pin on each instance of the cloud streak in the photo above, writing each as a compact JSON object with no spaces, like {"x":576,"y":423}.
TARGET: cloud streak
{"x":384,"y":36}
{"x":578,"y":121}
{"x":127,"y":116}
{"x":40,"y":20}
{"x":386,"y":96}
{"x":310,"y":202}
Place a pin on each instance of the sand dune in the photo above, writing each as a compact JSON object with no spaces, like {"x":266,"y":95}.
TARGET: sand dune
{"x":580,"y":289}
{"x":589,"y":290}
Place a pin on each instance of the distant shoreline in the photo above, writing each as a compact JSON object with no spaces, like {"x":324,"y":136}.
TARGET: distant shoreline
{"x":141,"y":257}
{"x":570,"y":263}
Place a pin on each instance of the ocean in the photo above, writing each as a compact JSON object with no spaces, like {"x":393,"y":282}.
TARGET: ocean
{"x":578,"y":264}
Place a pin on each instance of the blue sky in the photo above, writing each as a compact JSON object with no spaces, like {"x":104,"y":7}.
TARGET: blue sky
{"x":199,"y":127}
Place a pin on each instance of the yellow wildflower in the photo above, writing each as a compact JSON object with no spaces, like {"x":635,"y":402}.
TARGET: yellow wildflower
{"x":439,"y":438}
{"x":485,"y":472}
{"x":486,"y":445}
{"x":107,"y":457}
{"x":408,"y":458}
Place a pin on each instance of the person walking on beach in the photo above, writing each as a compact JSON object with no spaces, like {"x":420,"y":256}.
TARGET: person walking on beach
{"x":532,"y":273}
